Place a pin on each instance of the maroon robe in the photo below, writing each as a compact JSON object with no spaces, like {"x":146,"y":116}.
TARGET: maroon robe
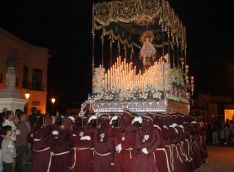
{"x":146,"y":162}
{"x":82,"y":153}
{"x":41,"y":149}
{"x":103,"y":152}
{"x":164,"y":153}
{"x":127,"y":138}
{"x":61,"y":148}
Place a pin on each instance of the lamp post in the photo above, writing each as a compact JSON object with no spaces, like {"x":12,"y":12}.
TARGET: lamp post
{"x":53,"y":101}
{"x":27,"y":95}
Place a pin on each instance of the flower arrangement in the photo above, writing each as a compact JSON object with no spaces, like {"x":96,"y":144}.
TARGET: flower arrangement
{"x":177,"y":77}
{"x":175,"y":98}
{"x":136,"y":93}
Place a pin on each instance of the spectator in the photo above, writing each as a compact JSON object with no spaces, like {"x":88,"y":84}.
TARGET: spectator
{"x":1,"y":138}
{"x":209,"y":133}
{"x":16,"y":119}
{"x":9,"y":121}
{"x":21,"y":141}
{"x":222,"y":136}
{"x":33,"y":116}
{"x":227,"y":134}
{"x":3,"y":115}
{"x":215,"y":135}
{"x":8,"y":149}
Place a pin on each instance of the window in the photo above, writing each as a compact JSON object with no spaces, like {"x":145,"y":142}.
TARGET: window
{"x":25,"y":77}
{"x":37,"y":79}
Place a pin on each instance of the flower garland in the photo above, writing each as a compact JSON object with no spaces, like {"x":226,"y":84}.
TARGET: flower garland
{"x":177,"y":77}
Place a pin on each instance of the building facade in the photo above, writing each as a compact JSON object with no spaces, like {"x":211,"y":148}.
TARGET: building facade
{"x":211,"y":108}
{"x":31,"y":72}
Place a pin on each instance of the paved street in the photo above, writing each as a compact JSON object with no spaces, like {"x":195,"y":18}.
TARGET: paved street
{"x":220,"y":159}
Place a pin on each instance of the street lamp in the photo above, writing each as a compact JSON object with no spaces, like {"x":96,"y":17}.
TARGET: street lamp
{"x":53,"y":101}
{"x":27,"y":95}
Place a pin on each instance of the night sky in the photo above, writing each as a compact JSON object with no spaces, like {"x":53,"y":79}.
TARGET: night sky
{"x":65,"y":29}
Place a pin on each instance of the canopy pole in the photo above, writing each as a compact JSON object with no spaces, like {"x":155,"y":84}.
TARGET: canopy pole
{"x":102,"y":39}
{"x":93,"y":48}
{"x":111,"y":50}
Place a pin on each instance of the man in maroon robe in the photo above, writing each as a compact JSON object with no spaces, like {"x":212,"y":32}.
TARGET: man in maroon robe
{"x":39,"y":138}
{"x":103,"y":147}
{"x":147,"y":140}
{"x":125,"y":140}
{"x":163,"y":152}
{"x":83,"y":147}
{"x":60,"y":156}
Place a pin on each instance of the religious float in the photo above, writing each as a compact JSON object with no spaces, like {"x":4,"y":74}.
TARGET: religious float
{"x":139,"y":59}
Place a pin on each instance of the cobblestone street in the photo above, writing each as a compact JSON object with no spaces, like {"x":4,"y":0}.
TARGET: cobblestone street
{"x":220,"y":159}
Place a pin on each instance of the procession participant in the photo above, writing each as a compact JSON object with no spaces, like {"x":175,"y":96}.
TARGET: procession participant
{"x":147,"y":140}
{"x":125,"y":139}
{"x":60,"y":155}
{"x":69,"y":123}
{"x":103,"y":147}
{"x":187,"y":144}
{"x":195,"y":142}
{"x":175,"y":142}
{"x":184,"y":165}
{"x":202,"y":133}
{"x":82,"y":153}
{"x":114,"y":121}
{"x":163,"y":161}
{"x":77,"y":125}
{"x":40,"y":140}
{"x":137,"y":121}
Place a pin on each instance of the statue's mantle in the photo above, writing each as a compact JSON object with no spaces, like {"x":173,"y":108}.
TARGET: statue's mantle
{"x":141,"y":107}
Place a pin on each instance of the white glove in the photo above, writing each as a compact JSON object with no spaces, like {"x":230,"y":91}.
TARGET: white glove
{"x":81,"y":133}
{"x":113,"y":118}
{"x":118,"y":148}
{"x":17,"y":132}
{"x":55,"y":132}
{"x":92,"y":117}
{"x":144,"y":150}
{"x":137,"y":119}
{"x":85,"y":138}
{"x":146,"y":137}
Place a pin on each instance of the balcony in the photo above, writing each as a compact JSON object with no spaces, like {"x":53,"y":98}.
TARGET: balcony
{"x":33,"y":86}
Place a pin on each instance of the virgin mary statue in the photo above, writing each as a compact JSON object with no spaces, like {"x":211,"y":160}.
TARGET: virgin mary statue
{"x":148,"y":51}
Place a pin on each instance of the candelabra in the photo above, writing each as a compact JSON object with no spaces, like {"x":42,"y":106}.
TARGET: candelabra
{"x":189,"y":82}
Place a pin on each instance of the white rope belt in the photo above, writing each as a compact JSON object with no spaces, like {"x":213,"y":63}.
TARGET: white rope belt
{"x":41,"y":150}
{"x":57,"y":154}
{"x":167,"y":159}
{"x":77,"y":149}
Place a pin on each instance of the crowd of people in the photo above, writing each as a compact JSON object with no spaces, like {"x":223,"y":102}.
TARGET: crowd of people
{"x":221,"y":135}
{"x":103,"y":143}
